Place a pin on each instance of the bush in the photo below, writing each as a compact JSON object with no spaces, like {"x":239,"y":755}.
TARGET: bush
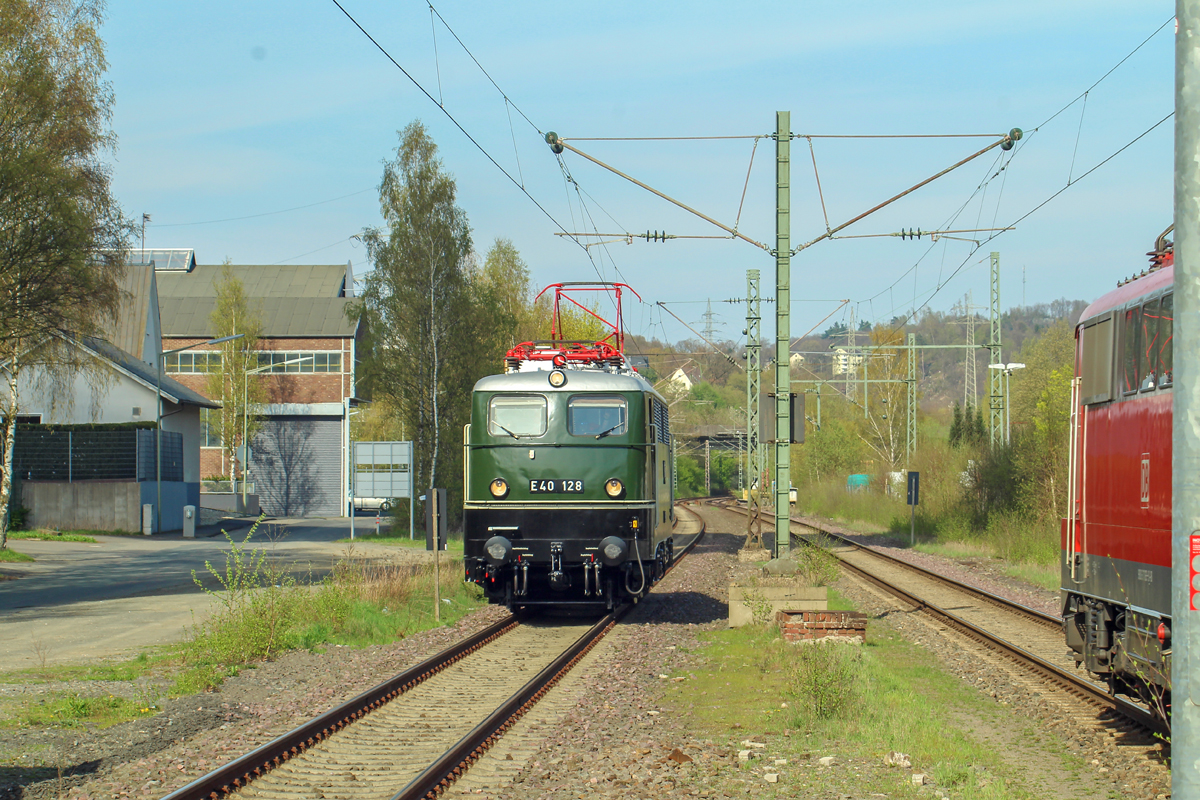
{"x":827,"y":680}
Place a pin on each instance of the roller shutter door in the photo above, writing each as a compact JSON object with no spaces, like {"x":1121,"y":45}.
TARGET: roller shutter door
{"x":296,"y":466}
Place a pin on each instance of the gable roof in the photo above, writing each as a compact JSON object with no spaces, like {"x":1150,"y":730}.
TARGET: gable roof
{"x":144,"y":374}
{"x":269,"y":280}
{"x":134,"y":313}
{"x":281,"y":316}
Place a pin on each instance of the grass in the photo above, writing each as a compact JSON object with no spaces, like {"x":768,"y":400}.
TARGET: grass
{"x":860,"y":703}
{"x":1047,"y":576}
{"x":73,"y":710}
{"x":263,"y":611}
{"x":453,"y":546}
{"x":13,"y":556}
{"x":52,"y":536}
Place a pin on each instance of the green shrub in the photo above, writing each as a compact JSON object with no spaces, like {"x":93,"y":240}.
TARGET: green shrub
{"x":826,"y":680}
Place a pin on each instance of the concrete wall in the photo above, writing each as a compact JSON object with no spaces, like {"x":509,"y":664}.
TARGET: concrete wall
{"x":92,"y":505}
{"x":230,"y":501}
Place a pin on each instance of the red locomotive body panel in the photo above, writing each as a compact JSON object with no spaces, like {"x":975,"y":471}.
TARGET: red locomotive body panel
{"x":1126,"y":498}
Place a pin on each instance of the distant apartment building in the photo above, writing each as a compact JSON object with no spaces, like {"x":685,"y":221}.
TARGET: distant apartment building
{"x":298,"y":460}
{"x":845,"y":360}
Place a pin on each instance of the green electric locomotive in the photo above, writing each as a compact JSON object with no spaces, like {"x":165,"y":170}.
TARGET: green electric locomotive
{"x":569,"y":474}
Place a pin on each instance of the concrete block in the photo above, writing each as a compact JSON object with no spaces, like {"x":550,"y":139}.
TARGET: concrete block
{"x":780,"y":598}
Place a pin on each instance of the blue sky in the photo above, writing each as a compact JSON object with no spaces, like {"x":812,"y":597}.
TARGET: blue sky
{"x":232,"y":109}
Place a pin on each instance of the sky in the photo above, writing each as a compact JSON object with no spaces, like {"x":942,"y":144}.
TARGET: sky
{"x":257,"y":132}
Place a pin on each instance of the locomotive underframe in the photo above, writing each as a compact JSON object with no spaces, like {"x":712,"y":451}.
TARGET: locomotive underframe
{"x":556,"y":557}
{"x":1118,"y":637}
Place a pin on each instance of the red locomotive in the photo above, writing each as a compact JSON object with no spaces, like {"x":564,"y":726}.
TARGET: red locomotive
{"x":1116,"y":543}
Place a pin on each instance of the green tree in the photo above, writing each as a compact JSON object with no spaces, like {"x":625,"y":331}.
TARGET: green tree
{"x":63,"y":237}
{"x":238,"y":392}
{"x":417,"y":302}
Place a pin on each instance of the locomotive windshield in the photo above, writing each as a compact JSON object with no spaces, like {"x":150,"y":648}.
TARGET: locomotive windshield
{"x":517,"y":415}
{"x":596,"y":415}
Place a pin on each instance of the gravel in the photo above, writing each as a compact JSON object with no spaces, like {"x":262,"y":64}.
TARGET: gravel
{"x":615,"y":742}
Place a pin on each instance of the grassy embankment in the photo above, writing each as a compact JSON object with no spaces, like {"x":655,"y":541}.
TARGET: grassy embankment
{"x":948,"y":522}
{"x":260,"y":612}
{"x":857,"y":703}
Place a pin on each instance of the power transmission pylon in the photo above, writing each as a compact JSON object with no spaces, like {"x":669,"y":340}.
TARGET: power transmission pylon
{"x":995,"y":376}
{"x":755,"y":454}
{"x":710,"y":324}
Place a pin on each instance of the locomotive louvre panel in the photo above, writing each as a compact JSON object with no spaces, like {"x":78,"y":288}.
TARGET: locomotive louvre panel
{"x":1096,"y":360}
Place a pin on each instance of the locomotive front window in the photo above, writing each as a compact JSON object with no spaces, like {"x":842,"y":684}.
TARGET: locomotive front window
{"x":517,"y":415}
{"x":597,"y":415}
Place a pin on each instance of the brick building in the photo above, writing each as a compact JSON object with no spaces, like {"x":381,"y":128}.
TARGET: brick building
{"x":298,"y":460}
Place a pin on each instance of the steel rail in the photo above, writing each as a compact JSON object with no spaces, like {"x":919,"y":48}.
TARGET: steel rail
{"x":240,"y":772}
{"x":1011,"y":605}
{"x":1074,"y":684}
{"x":455,"y":762}
{"x":237,"y":773}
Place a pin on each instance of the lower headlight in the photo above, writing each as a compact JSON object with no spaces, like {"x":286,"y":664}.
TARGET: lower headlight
{"x":613,"y":550}
{"x":499,"y":488}
{"x":614,"y":488}
{"x":497,"y":550}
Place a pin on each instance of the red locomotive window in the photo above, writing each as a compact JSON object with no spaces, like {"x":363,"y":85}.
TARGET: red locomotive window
{"x":1148,"y":351}
{"x":1166,"y":341}
{"x":1131,"y":348}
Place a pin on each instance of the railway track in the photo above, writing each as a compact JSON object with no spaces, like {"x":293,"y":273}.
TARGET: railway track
{"x":989,"y":620}
{"x":415,"y":734}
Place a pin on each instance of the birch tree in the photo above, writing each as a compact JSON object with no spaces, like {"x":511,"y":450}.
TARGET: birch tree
{"x":63,"y":238}
{"x":238,"y":391}
{"x":416,"y":302}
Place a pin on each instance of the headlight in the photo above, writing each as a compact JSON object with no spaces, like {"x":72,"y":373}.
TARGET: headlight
{"x":497,"y":550}
{"x":499,"y":488}
{"x":614,"y":488}
{"x":557,"y":378}
{"x":613,"y":550}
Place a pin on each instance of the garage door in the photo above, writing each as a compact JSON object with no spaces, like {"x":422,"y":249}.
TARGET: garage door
{"x":296,"y":466}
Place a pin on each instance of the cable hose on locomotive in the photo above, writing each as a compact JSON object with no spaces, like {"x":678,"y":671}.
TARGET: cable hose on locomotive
{"x":642,"y":569}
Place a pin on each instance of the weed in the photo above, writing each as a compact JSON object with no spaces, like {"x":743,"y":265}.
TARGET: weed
{"x":827,"y":679}
{"x":71,"y":710}
{"x":51,"y":536}
{"x":41,"y":651}
{"x":8,"y":554}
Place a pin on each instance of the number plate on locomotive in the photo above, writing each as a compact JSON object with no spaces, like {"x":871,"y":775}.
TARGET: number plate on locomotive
{"x":556,"y":486}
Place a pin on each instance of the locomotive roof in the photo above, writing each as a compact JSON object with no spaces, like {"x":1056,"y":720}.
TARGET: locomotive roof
{"x":1130,"y":292}
{"x":578,"y":380}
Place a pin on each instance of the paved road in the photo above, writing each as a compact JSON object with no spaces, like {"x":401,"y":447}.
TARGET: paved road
{"x":80,"y":601}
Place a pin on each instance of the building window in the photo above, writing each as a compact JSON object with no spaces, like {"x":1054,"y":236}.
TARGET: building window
{"x":300,"y":362}
{"x":198,"y":361}
{"x":209,"y":437}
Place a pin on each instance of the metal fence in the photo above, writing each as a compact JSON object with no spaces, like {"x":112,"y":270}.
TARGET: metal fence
{"x":96,"y":455}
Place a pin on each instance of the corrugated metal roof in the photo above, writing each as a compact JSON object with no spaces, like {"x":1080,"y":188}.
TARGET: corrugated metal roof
{"x":128,"y":331}
{"x":281,"y":316}
{"x":271,"y":280}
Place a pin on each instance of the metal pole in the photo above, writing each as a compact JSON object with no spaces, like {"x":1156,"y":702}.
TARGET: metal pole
{"x":245,"y":424}
{"x":911,"y":437}
{"x":756,"y":449}
{"x":158,"y":447}
{"x":437,"y":566}
{"x":783,"y":329}
{"x":1185,"y":467}
{"x":912,"y":529}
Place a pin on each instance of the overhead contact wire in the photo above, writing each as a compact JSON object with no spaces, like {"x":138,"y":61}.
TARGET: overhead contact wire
{"x":450,"y":116}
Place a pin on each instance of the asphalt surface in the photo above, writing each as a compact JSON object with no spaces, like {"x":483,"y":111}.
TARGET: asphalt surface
{"x":81,"y":601}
